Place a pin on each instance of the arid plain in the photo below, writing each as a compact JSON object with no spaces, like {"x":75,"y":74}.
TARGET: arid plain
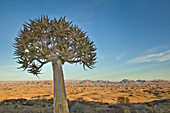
{"x":87,"y":90}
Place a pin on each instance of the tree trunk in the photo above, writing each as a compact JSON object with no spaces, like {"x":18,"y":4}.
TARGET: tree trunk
{"x":60,"y":99}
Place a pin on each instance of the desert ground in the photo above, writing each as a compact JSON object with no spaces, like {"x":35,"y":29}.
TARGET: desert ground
{"x":103,"y":93}
{"x":87,"y":90}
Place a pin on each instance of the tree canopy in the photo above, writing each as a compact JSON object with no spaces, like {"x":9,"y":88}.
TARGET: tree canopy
{"x":43,"y":40}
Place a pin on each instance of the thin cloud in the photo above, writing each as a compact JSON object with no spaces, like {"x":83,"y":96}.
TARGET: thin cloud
{"x":158,"y":57}
{"x":101,"y":57}
{"x":120,"y":56}
{"x":156,"y":49}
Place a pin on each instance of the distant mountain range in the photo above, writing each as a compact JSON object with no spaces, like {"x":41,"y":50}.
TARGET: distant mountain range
{"x":88,"y":82}
{"x":94,"y":82}
{"x":143,"y":81}
{"x":124,"y":81}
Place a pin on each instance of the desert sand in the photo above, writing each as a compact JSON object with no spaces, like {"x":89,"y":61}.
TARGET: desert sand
{"x":87,"y":90}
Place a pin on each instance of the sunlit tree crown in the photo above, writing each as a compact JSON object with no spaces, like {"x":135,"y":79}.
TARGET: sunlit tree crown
{"x":43,"y":40}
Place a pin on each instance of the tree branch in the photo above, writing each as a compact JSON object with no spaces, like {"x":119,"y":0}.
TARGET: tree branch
{"x":73,"y":61}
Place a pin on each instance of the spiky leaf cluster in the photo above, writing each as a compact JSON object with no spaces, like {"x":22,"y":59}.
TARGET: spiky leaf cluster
{"x":43,"y":40}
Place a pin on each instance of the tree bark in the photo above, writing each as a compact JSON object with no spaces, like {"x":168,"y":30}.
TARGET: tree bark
{"x":60,"y":99}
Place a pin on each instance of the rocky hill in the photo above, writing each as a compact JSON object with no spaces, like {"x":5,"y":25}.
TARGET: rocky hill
{"x":95,"y":82}
{"x":127,"y":81}
{"x":124,"y":81}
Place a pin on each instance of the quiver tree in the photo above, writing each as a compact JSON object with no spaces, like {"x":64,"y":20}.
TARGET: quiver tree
{"x":45,"y":40}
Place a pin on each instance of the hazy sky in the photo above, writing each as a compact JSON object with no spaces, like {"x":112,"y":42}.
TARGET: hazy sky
{"x":132,"y":37}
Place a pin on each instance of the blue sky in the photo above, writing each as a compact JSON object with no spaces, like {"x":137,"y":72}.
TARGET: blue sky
{"x":132,"y":37}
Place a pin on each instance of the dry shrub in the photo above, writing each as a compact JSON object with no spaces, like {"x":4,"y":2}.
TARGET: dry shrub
{"x":123,"y":100}
{"x":81,"y":108}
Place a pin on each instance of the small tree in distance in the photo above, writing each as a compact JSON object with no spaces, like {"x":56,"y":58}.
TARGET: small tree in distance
{"x":44,"y":40}
{"x":123,"y":100}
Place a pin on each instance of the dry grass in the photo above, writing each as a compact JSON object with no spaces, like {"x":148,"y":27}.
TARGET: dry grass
{"x":45,"y":106}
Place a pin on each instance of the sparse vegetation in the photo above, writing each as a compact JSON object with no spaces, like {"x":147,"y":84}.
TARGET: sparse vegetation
{"x":81,"y":108}
{"x":162,"y":106}
{"x":123,"y":100}
{"x":37,"y":96}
